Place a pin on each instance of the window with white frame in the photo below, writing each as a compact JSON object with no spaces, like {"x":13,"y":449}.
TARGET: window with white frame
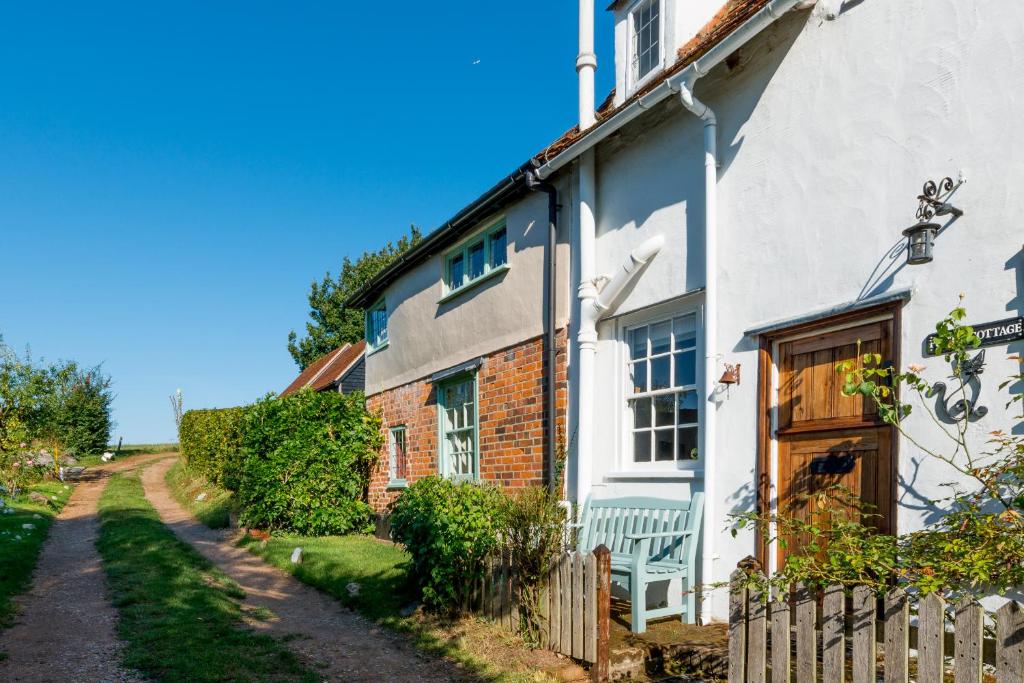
{"x":645,"y":21}
{"x":397,"y":458}
{"x":662,"y":391}
{"x":456,"y":401}
{"x":485,"y":254}
{"x":377,"y":325}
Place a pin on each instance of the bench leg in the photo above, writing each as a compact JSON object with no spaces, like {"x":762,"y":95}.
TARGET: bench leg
{"x":638,"y":604}
{"x":690,"y":615}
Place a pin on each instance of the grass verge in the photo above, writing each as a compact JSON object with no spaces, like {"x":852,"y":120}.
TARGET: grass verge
{"x":214,"y":510}
{"x":19,"y":547}
{"x":180,"y":616}
{"x":331,"y":563}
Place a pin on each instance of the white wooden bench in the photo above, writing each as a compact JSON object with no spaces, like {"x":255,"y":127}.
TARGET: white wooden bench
{"x":651,"y":540}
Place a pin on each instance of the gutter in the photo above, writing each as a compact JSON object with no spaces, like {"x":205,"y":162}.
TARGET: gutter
{"x":671,"y":85}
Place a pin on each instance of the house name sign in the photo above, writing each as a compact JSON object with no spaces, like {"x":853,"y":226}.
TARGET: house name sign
{"x":991,"y":334}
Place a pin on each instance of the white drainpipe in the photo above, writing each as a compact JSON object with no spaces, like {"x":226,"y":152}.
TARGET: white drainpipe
{"x":595,"y":306}
{"x":710,"y":451}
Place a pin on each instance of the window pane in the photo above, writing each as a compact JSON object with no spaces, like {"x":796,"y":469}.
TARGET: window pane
{"x":642,"y":413}
{"x":456,"y":272}
{"x":685,"y":330}
{"x":476,"y":261}
{"x":664,"y":446}
{"x":499,"y":245}
{"x":687,"y":408}
{"x":686,"y":368}
{"x":687,"y":443}
{"x":665,"y":411}
{"x":661,"y":338}
{"x":638,"y":343}
{"x":661,"y":373}
{"x":638,"y":375}
{"x":641,"y":447}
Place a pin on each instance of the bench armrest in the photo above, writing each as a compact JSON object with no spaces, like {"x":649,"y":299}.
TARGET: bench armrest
{"x":661,"y":534}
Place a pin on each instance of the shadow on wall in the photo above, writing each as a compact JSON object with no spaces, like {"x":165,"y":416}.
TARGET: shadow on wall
{"x":1016,"y":306}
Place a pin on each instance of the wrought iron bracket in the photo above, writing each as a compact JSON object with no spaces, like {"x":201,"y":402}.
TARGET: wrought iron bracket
{"x":934,"y":199}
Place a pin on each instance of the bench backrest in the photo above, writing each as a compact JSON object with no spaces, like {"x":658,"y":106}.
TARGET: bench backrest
{"x":606,"y":522}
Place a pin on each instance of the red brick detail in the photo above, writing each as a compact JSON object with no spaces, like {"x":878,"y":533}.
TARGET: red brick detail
{"x":511,"y":388}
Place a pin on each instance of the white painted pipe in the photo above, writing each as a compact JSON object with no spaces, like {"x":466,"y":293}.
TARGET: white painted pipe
{"x":586,"y":64}
{"x":630,"y":269}
{"x":587,"y":337}
{"x":710,"y":452}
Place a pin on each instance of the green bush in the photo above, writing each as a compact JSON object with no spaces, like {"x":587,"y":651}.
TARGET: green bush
{"x":449,"y":529}
{"x":307,"y":463}
{"x":211,"y":443}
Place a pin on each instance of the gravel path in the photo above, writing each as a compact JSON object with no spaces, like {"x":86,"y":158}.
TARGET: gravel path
{"x":66,"y":629}
{"x":337,"y":642}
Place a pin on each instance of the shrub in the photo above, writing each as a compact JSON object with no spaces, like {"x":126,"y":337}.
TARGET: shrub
{"x":307,"y":462}
{"x":449,"y":529}
{"x":533,"y":530}
{"x":211,"y":442}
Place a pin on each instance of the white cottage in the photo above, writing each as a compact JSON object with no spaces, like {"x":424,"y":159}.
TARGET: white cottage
{"x":739,"y":210}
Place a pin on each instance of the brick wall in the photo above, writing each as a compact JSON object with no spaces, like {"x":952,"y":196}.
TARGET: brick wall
{"x":511,"y":389}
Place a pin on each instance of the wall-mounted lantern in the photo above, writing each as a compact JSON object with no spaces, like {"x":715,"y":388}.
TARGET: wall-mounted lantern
{"x":933,"y":201}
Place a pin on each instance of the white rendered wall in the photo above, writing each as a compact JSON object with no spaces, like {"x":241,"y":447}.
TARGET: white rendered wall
{"x":827,"y":131}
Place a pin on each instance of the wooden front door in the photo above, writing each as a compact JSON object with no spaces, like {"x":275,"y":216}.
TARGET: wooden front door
{"x":825,"y":438}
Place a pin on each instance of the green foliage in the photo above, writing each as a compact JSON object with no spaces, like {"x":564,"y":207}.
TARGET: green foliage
{"x":533,"y":530}
{"x":332,"y":323}
{"x":449,"y":529}
{"x":186,"y":485}
{"x":977,"y":545}
{"x":307,"y":461}
{"x":76,"y":409}
{"x":211,"y":443}
{"x":180,"y":616}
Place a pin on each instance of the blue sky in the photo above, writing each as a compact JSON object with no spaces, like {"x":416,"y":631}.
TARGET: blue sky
{"x":174,"y":175}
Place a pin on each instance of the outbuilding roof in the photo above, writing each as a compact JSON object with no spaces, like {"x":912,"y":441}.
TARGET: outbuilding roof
{"x":328,"y":369}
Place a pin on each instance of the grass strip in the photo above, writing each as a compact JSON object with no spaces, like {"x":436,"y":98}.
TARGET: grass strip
{"x":20,"y":546}
{"x":180,"y":615}
{"x":332,"y":563}
{"x":214,"y":510}
{"x":127,"y":452}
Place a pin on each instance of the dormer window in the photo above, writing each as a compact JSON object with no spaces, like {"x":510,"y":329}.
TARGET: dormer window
{"x":645,"y":32}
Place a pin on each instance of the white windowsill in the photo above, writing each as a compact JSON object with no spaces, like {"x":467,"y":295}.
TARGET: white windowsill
{"x":370,"y":350}
{"x":661,"y":475}
{"x":397,"y":484}
{"x":494,"y":272}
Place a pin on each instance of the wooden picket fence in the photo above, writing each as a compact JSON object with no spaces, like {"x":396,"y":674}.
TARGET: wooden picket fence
{"x":575,"y":605}
{"x":846,"y":643}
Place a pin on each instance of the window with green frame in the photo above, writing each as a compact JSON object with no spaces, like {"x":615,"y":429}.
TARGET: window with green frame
{"x":476,"y":258}
{"x":457,"y":413}
{"x":377,"y":325}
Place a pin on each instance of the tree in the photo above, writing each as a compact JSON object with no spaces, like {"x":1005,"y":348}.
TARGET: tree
{"x":332,"y":322}
{"x":74,"y":412}
{"x":22,"y":387}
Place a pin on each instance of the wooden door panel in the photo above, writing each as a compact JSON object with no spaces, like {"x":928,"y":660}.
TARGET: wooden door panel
{"x":817,"y":423}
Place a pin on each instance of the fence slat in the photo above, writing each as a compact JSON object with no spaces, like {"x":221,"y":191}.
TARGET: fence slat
{"x":577,"y":605}
{"x":506,"y":591}
{"x":737,"y":627}
{"x":931,"y":639}
{"x":600,"y":671}
{"x":833,"y":635}
{"x":897,"y":636}
{"x":781,"y":637}
{"x":513,"y":594}
{"x":1010,"y":643}
{"x":757,"y":634}
{"x":806,"y":636}
{"x":864,"y":656}
{"x":565,"y":571}
{"x":554,"y":607}
{"x":968,"y":635}
{"x":590,"y":609}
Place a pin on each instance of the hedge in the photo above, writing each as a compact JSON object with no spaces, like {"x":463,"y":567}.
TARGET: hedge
{"x":211,"y":443}
{"x":307,"y":462}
